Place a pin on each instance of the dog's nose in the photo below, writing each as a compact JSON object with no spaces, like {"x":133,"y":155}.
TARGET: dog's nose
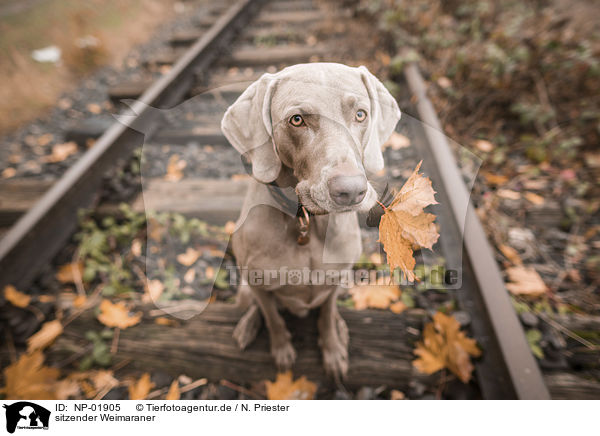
{"x":347,"y":190}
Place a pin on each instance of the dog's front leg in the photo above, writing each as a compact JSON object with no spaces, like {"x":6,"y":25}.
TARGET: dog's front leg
{"x":333,"y":338}
{"x":281,"y":345}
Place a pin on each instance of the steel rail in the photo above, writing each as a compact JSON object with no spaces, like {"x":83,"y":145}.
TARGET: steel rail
{"x":507,"y":357}
{"x":39,"y":234}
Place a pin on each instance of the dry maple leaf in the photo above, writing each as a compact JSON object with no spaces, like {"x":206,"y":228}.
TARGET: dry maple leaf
{"x":445,"y":346}
{"x":404,"y":223}
{"x":70,"y":272}
{"x":377,"y":296}
{"x":525,"y":281}
{"x":117,"y":315}
{"x":29,"y":378}
{"x":15,"y":297}
{"x":174,"y":393}
{"x":48,"y":333}
{"x":285,"y":388}
{"x":140,"y":389}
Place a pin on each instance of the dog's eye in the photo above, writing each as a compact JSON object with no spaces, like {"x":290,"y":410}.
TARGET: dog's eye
{"x":297,"y":120}
{"x":361,"y":115}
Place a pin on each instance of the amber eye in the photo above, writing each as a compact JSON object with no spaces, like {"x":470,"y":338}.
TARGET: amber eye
{"x":361,"y":115}
{"x":297,"y":120}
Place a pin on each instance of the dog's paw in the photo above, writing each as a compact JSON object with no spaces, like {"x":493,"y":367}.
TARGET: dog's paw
{"x":335,"y":358}
{"x":284,"y":355}
{"x":247,"y":327}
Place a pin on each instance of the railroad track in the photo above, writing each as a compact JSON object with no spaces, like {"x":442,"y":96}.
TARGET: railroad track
{"x":208,"y":68}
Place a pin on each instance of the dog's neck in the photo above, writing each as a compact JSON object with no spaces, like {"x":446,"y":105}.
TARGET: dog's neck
{"x":282,"y":189}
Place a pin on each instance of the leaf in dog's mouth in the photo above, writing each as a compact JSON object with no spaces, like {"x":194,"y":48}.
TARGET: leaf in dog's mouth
{"x":404,"y":224}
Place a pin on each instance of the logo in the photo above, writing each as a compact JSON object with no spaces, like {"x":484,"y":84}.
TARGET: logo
{"x":26,"y":415}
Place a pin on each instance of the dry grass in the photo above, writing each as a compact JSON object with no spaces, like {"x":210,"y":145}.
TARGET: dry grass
{"x":29,"y":88}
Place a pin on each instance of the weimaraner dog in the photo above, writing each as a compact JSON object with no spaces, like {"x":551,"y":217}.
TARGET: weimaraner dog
{"x":312,"y":133}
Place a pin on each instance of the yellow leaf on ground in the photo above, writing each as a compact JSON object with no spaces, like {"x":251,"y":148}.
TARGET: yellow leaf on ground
{"x":508,"y":194}
{"x":374,"y":296}
{"x":29,"y":378}
{"x":70,"y":272}
{"x":534,"y":198}
{"x":140,"y":389}
{"x":285,"y":388}
{"x":525,"y":281}
{"x":189,"y":257}
{"x":445,"y":346}
{"x":48,"y":333}
{"x":103,"y":379}
{"x":173,"y":393}
{"x":511,"y":254}
{"x":15,"y":297}
{"x":9,"y":172}
{"x":229,"y":227}
{"x":483,"y":145}
{"x":161,"y":320}
{"x":397,"y":395}
{"x":404,"y":223}
{"x":61,"y":151}
{"x":64,"y":389}
{"x":79,"y":301}
{"x":154,"y":289}
{"x":117,"y":315}
{"x":396,"y":141}
{"x":494,"y":179}
{"x":398,"y":307}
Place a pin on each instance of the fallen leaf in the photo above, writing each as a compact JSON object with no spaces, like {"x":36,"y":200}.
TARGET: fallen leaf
{"x":70,"y":272}
{"x":404,"y":223}
{"x":229,"y":227}
{"x":61,"y":151}
{"x":117,"y":315}
{"x":29,"y":378}
{"x":398,"y":307}
{"x":397,"y":395}
{"x":396,"y":141}
{"x":79,"y":301}
{"x":189,"y":257}
{"x":9,"y":172}
{"x":173,"y":393}
{"x":511,"y":254}
{"x":374,"y":296}
{"x":209,"y":272}
{"x":285,"y":388}
{"x":15,"y":297}
{"x":508,"y":194}
{"x":495,"y":179}
{"x":161,"y":320}
{"x":483,"y":145}
{"x":444,"y":82}
{"x":103,"y":379}
{"x":534,"y":198}
{"x":44,"y":139}
{"x":65,"y":389}
{"x":140,"y":389}
{"x":154,"y":289}
{"x":445,"y":346}
{"x":45,"y":336}
{"x":136,"y":247}
{"x":175,"y":168}
{"x":525,"y":281}
{"x":190,"y":275}
{"x":94,"y":108}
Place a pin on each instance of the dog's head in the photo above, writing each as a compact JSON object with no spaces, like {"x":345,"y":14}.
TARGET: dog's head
{"x":324,"y":121}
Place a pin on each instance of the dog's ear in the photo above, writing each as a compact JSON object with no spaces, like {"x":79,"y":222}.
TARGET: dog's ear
{"x":384,"y":115}
{"x":247,"y":125}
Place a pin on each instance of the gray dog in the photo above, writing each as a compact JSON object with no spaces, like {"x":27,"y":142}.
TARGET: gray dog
{"x":312,"y":134}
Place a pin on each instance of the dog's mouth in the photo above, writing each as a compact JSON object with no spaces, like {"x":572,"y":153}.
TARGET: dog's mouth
{"x":316,"y":200}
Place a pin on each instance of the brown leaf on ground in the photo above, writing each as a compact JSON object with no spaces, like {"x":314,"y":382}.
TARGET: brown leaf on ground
{"x":483,"y":145}
{"x":396,"y":141}
{"x":404,"y":223}
{"x":189,"y":257}
{"x":61,"y":151}
{"x":45,"y":336}
{"x":29,"y":378}
{"x":175,"y":168}
{"x":9,"y":172}
{"x":173,"y":393}
{"x":79,"y":301}
{"x":508,"y":194}
{"x":16,"y":298}
{"x":377,"y":296}
{"x":534,"y":198}
{"x":525,"y":281}
{"x":161,"y":320}
{"x":284,"y":388}
{"x":154,"y":289}
{"x":117,"y":315}
{"x":70,"y":272}
{"x":445,"y":346}
{"x":511,"y":254}
{"x":140,"y":389}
